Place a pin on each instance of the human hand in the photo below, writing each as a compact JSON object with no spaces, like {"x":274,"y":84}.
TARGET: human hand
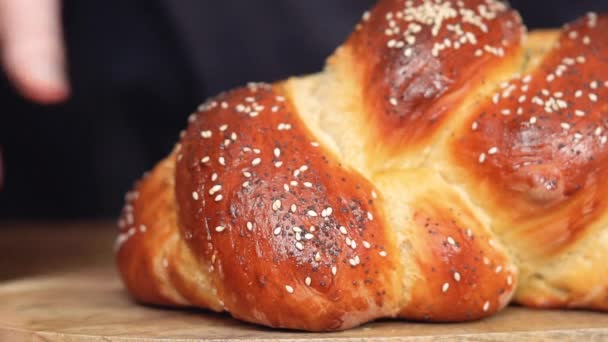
{"x":31,"y":47}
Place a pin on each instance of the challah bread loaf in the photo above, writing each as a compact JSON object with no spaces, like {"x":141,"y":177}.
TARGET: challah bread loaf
{"x":443,"y":164}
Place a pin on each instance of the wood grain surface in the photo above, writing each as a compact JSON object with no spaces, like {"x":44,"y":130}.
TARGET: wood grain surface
{"x":80,"y":298}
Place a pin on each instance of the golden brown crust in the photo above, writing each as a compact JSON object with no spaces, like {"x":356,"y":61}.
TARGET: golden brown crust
{"x":455,"y":268}
{"x":418,"y":177}
{"x":297,"y":234}
{"x":414,"y":63}
{"x":539,"y":143}
{"x":156,"y":265}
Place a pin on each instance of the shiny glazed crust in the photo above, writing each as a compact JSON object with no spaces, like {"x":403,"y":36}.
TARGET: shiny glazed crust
{"x":418,"y":176}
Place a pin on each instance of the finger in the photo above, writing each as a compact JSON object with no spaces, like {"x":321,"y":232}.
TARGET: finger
{"x":32,"y":48}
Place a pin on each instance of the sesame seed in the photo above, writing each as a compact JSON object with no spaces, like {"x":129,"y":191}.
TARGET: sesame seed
{"x":317,"y":256}
{"x":195,"y":195}
{"x":205,"y":159}
{"x":578,"y":93}
{"x":220,"y":229}
{"x":510,"y":280}
{"x":218,"y":198}
{"x":457,"y":276}
{"x":493,"y":150}
{"x":299,"y":246}
{"x":370,"y":216}
{"x":451,"y":241}
{"x":565,"y":125}
{"x":374,"y":195}
{"x":598,"y":131}
{"x":445,"y":287}
{"x":307,"y":184}
{"x":289,"y":289}
{"x":311,"y":213}
{"x":343,"y":230}
{"x":293,"y":206}
{"x":293,"y":183}
{"x":593,"y":97}
{"x":256,"y":162}
{"x":586,"y":40}
{"x":594,"y":85}
{"x":579,"y":113}
{"x":498,"y":269}
{"x":215,"y":189}
{"x":393,"y":101}
{"x":277,"y":231}
{"x":278,"y":164}
{"x":277,"y":152}
{"x":308,"y":236}
{"x":206,"y":134}
{"x":223,"y":128}
{"x":383,"y":253}
{"x":327,"y":212}
{"x":486,"y":306}
{"x":222,"y":161}
{"x":249,"y":226}
{"x":334,"y":270}
{"x":276,"y":205}
{"x":297,"y":229}
{"x":245,"y":184}
{"x":307,"y":281}
{"x":533,"y":120}
{"x":496,"y":98}
{"x":482,"y":158}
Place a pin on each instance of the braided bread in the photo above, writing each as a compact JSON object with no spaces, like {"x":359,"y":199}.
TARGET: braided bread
{"x":443,"y":165}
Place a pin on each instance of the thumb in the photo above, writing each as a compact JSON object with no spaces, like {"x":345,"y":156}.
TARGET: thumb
{"x":32,"y":48}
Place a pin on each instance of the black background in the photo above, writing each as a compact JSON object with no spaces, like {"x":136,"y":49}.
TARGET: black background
{"x":138,"y":68}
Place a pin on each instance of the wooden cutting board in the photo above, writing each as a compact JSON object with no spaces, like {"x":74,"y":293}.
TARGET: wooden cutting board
{"x":92,"y":306}
{"x":88,"y":303}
